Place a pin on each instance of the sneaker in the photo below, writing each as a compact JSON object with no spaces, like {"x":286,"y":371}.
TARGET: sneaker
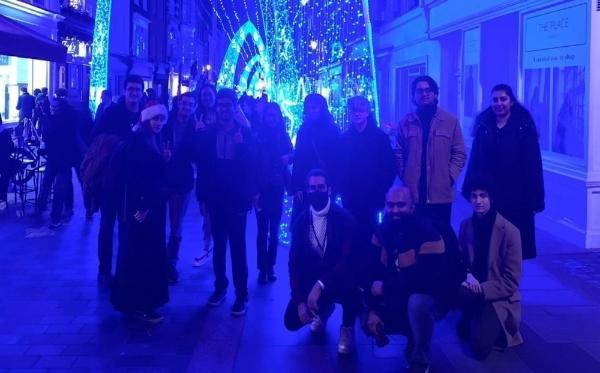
{"x":346,"y":341}
{"x":381,"y":339}
{"x":202,"y":259}
{"x":319,"y":323}
{"x":149,"y":317}
{"x":56,"y":225}
{"x":217,"y":297}
{"x":239,"y":307}
{"x":262,"y":277}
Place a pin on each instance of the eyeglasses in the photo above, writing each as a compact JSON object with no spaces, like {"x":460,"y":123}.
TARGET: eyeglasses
{"x":424,"y":91}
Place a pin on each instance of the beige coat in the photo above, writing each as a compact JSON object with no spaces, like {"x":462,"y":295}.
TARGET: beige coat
{"x":446,"y":155}
{"x":504,"y":274}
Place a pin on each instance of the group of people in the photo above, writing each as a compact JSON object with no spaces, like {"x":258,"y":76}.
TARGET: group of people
{"x":401,"y":275}
{"x":398,"y":272}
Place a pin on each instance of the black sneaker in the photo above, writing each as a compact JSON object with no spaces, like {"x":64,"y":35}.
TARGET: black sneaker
{"x":262,"y":277}
{"x":381,"y":339}
{"x":239,"y":307}
{"x":217,"y":297}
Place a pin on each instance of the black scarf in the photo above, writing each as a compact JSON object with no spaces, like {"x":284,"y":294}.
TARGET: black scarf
{"x":483,"y":227}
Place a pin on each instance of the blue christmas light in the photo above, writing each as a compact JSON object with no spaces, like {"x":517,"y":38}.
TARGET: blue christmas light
{"x":100,"y":52}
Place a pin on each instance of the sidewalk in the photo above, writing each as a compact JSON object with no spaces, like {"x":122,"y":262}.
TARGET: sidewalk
{"x":53,"y":315}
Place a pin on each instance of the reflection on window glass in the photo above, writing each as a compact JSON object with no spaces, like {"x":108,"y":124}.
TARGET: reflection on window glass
{"x":555,"y":96}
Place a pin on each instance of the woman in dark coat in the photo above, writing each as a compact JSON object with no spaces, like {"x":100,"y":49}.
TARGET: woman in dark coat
{"x":316,"y":147}
{"x":507,"y":152}
{"x":140,"y":284}
{"x":275,"y":155}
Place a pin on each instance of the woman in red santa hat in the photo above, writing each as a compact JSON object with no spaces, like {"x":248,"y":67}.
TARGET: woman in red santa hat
{"x":140,"y":284}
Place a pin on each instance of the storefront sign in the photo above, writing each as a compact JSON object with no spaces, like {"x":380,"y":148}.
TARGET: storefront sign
{"x":556,"y":37}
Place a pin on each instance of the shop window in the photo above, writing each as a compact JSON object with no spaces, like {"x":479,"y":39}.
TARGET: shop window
{"x":16,"y":72}
{"x":555,"y":62}
{"x":404,"y":77}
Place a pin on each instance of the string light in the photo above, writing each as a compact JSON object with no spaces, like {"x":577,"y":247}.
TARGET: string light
{"x":100,"y":51}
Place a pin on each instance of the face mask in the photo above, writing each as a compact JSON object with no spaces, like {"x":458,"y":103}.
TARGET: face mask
{"x":318,"y":200}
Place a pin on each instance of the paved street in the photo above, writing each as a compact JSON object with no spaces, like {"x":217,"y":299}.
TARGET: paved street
{"x":53,"y":315}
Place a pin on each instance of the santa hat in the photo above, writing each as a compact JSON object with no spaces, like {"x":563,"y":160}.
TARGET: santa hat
{"x":153,"y":109}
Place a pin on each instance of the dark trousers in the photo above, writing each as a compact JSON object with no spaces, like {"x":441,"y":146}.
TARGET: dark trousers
{"x":349,"y":299}
{"x":481,"y":322}
{"x":109,"y":214}
{"x":6,"y":173}
{"x":268,"y":218}
{"x":228,"y":226}
{"x":63,"y":189}
{"x":439,"y":214}
{"x":413,"y":316}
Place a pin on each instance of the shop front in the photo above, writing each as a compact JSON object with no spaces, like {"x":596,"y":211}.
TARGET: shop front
{"x":27,"y":57}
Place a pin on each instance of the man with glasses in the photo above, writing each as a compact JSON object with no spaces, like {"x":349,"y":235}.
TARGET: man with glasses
{"x":431,"y":152}
{"x":114,"y":127}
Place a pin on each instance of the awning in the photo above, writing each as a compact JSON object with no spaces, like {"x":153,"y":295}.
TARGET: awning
{"x":19,"y":41}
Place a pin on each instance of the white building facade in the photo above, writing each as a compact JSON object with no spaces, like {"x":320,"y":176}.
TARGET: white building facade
{"x":546,"y":50}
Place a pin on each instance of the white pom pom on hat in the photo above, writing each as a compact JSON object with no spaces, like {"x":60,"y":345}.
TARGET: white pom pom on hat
{"x":153,"y":109}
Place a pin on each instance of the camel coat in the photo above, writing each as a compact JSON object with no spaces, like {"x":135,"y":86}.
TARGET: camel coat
{"x":504,"y":273}
{"x":446,"y":156}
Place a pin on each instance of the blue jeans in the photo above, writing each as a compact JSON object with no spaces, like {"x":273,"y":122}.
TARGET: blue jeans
{"x":423,"y":312}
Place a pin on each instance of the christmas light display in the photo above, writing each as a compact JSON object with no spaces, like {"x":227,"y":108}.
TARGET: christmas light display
{"x":99,"y":65}
{"x":322,"y":46}
{"x":291,"y":48}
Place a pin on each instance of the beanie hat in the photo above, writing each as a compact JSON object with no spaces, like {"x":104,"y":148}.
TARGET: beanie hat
{"x":153,"y":109}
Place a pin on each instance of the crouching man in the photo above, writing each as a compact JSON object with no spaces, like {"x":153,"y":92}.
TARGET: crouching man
{"x":489,"y":298}
{"x":320,"y":264}
{"x":411,"y":278}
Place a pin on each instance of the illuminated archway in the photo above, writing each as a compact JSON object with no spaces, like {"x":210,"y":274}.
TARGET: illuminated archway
{"x":259,"y":63}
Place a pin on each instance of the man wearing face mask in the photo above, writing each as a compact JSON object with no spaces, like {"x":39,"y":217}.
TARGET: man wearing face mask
{"x":320,"y":264}
{"x":411,"y":278}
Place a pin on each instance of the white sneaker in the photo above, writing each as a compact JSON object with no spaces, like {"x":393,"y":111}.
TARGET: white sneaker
{"x":318,"y":325}
{"x":346,"y":341}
